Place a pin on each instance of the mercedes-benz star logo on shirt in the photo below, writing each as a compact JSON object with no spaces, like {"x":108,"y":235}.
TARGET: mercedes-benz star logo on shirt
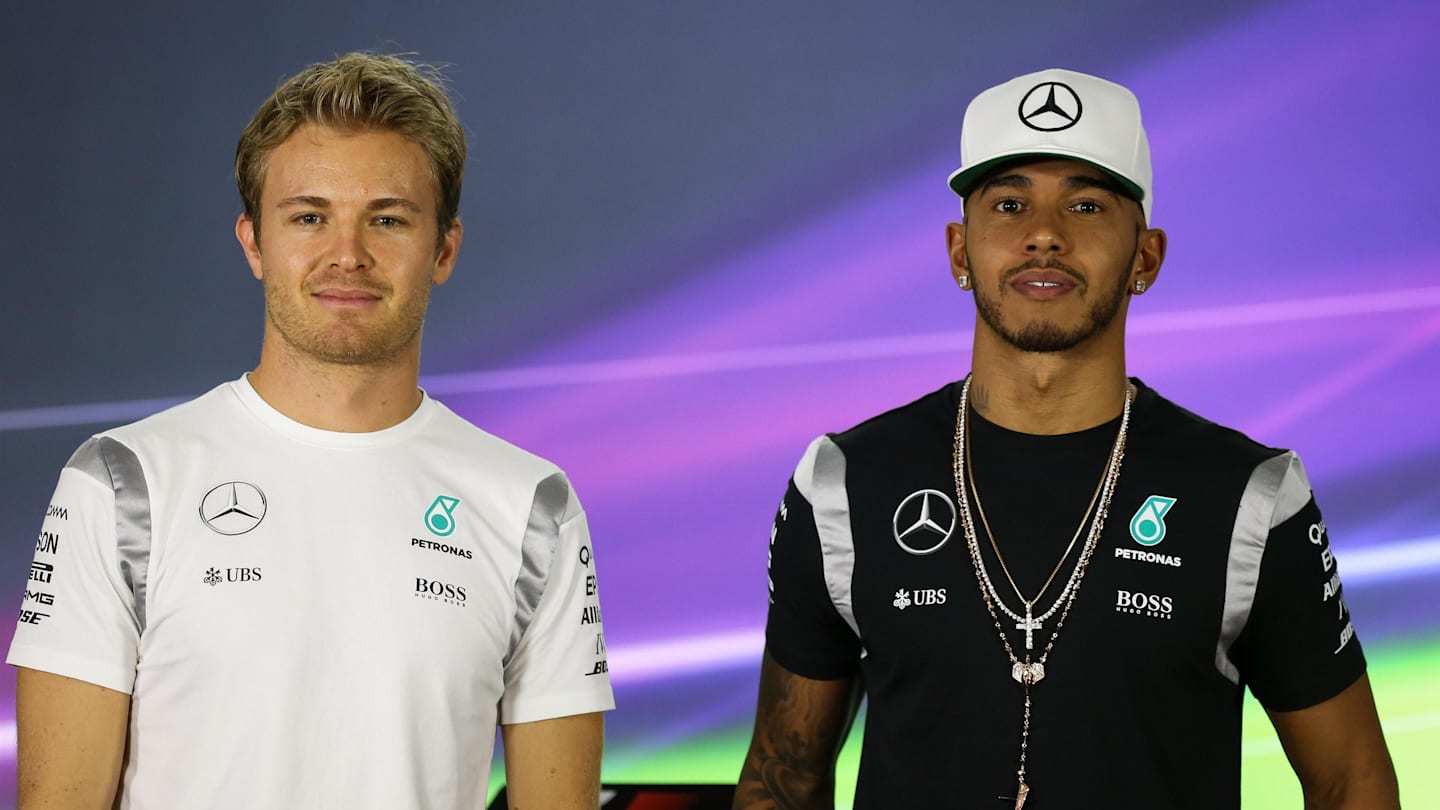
{"x":1050,"y":107}
{"x":234,"y":507}
{"x":924,"y":521}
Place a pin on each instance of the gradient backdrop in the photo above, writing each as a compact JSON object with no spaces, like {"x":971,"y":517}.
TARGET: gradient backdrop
{"x":700,"y":234}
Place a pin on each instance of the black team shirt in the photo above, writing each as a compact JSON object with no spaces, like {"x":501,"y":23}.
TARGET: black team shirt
{"x":1213,"y":574}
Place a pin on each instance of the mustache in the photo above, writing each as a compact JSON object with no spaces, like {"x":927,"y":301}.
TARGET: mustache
{"x":1043,"y":264}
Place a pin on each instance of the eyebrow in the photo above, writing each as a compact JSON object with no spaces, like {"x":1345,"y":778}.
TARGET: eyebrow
{"x":1074,"y":182}
{"x":379,"y":204}
{"x":1005,"y":181}
{"x":1078,"y":182}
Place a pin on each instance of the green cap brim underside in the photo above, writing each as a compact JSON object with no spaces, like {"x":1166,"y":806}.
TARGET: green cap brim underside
{"x":964,"y":182}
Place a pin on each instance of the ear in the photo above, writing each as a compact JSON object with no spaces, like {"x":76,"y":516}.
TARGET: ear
{"x":1149,"y":255}
{"x":249,"y":242}
{"x":449,"y":250}
{"x":955,"y":242}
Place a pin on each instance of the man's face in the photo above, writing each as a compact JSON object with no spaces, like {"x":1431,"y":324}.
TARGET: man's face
{"x":348,"y":250}
{"x":1052,"y":249}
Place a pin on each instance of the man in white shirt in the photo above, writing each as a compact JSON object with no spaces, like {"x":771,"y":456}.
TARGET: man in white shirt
{"x":315,"y":586}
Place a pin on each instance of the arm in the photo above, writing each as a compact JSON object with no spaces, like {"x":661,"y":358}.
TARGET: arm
{"x":1338,"y":752}
{"x":554,"y":764}
{"x":71,"y":737}
{"x":800,"y":725}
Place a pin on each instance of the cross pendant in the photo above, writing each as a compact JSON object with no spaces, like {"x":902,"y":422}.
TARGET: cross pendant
{"x":1030,"y":625}
{"x":1020,"y":797}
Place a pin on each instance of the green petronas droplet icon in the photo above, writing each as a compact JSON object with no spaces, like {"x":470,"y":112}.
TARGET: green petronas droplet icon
{"x":440,"y":517}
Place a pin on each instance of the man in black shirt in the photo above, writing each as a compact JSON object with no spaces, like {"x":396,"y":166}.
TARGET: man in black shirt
{"x":1052,"y":584}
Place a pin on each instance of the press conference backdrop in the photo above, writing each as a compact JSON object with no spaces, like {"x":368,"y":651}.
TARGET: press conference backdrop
{"x":698,"y":235}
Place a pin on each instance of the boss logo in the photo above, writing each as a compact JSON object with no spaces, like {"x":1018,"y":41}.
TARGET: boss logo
{"x":439,"y":591}
{"x":1144,"y":604}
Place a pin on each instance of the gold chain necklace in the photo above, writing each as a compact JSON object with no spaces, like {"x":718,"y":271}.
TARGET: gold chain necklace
{"x":1029,"y":622}
{"x":1028,"y":672}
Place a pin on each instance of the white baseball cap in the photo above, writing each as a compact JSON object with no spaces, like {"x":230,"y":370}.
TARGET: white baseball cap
{"x":1061,"y":113}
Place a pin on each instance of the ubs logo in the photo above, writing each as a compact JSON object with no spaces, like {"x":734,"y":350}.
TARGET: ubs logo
{"x":920,"y":597}
{"x":234,"y":507}
{"x":215,"y":576}
{"x":924,"y":521}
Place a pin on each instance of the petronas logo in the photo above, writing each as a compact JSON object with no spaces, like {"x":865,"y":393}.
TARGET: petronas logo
{"x":440,"y":517}
{"x":1148,"y":525}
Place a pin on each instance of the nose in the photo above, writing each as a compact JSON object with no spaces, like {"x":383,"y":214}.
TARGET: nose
{"x":348,"y":251}
{"x":1046,"y":236}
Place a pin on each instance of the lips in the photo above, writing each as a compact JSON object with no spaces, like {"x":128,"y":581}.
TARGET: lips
{"x":1043,"y":284}
{"x":347,"y":295}
{"x":345,"y":298}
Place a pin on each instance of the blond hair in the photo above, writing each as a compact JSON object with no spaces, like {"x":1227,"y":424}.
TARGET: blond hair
{"x":359,"y":91}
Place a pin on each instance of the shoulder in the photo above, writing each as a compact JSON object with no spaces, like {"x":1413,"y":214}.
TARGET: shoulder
{"x":1270,"y":481}
{"x":918,"y":420}
{"x":485,"y":457}
{"x":1163,"y":425}
{"x":175,"y":428}
{"x":896,"y":433}
{"x":485,"y":448}
{"x":205,"y":412}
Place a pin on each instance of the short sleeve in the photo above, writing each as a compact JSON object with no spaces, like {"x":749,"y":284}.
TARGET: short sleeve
{"x":1298,"y":647}
{"x":804,"y":632}
{"x":557,"y":665}
{"x":80,"y":616}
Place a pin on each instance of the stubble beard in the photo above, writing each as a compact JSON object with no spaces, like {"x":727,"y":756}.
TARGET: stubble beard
{"x":1043,"y":336}
{"x":346,"y":338}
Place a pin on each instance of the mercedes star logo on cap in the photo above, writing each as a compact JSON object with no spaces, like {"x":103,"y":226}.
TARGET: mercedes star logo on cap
{"x":924,"y":521}
{"x":1050,"y":107}
{"x":234,"y":507}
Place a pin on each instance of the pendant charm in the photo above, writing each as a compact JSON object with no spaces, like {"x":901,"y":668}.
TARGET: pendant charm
{"x":1029,"y":625}
{"x":1020,"y":795}
{"x":1028,"y":674}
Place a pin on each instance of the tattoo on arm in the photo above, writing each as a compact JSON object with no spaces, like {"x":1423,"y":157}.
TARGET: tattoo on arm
{"x":800,"y":724}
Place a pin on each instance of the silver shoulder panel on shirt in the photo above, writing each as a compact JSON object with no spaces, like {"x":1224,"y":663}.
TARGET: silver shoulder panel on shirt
{"x":116,"y":466}
{"x":1278,"y":488}
{"x":537,"y":552}
{"x":820,"y":477}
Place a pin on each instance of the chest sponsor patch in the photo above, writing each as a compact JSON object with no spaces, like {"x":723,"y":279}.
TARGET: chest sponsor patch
{"x":919,"y":597}
{"x":437,"y":591}
{"x":234,"y":507}
{"x":1153,"y":605}
{"x":440,"y":517}
{"x":1152,"y":557}
{"x":924,"y":521}
{"x":1147,"y":527}
{"x":443,"y":548}
{"x":219,"y":576}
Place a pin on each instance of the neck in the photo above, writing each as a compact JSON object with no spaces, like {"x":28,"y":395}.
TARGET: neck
{"x":1049,"y":393}
{"x":332,"y":396}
